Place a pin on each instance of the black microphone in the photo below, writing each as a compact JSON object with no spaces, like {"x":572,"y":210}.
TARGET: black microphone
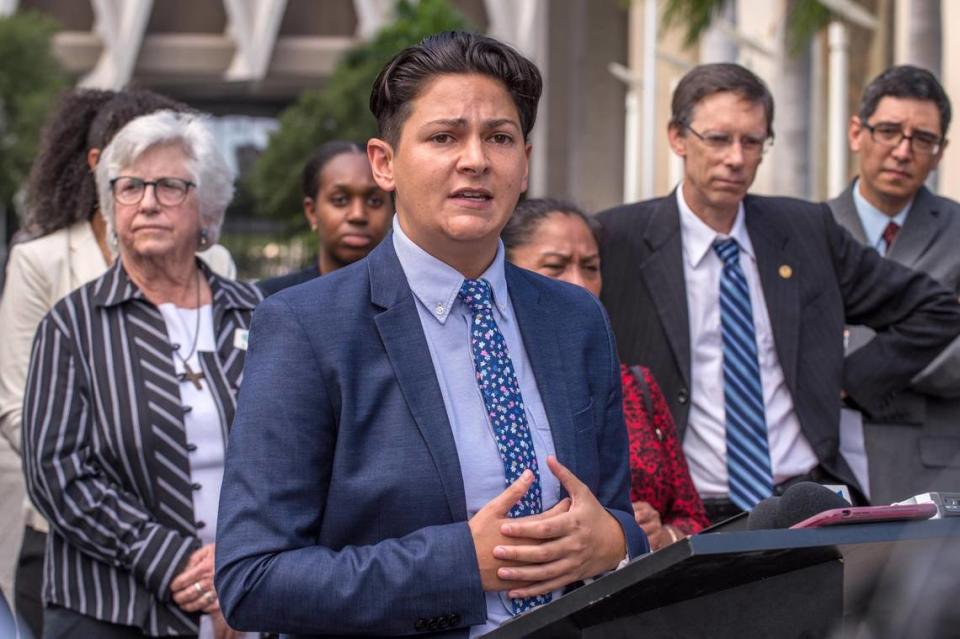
{"x":764,"y":515}
{"x":804,"y":500}
{"x":801,"y":501}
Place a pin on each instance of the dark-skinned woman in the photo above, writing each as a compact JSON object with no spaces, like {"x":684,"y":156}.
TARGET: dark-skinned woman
{"x":345,"y":208}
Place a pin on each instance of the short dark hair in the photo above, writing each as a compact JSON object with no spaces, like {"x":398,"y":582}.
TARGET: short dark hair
{"x":310,"y":181}
{"x":452,"y":52}
{"x":705,"y":80}
{"x":906,"y":81}
{"x":530,"y":213}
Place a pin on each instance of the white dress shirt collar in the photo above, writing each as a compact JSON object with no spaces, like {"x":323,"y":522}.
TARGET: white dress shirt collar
{"x":698,"y":238}
{"x":874,"y":220}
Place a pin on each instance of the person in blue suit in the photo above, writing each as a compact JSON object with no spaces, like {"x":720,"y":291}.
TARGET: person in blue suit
{"x":429,"y":440}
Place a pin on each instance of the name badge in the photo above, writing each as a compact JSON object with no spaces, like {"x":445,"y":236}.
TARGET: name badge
{"x":240,"y":338}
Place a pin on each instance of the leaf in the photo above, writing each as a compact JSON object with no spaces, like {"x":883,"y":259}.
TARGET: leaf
{"x":30,"y":81}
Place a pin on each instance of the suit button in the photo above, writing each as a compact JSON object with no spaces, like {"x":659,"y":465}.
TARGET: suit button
{"x":433,"y":624}
{"x":196,"y":486}
{"x":421,"y":624}
{"x":683,"y":396}
{"x":453,"y":619}
{"x":201,"y":525}
{"x":187,"y":409}
{"x":191,"y":447}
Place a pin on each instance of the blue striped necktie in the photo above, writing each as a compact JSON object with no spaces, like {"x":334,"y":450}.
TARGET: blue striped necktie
{"x":748,"y":453}
{"x":504,"y":404}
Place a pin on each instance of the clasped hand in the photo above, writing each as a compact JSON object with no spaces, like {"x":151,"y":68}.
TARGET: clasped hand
{"x":529,"y":556}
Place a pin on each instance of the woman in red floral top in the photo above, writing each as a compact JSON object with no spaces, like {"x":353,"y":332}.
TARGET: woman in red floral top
{"x":558,"y":240}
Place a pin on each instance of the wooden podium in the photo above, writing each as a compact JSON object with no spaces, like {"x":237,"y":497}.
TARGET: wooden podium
{"x":766,"y":583}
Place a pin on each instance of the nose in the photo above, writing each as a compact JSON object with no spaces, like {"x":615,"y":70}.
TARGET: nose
{"x":734,"y":156}
{"x":148,"y":202}
{"x":473,"y":156}
{"x":357,"y":211}
{"x":903,"y":149}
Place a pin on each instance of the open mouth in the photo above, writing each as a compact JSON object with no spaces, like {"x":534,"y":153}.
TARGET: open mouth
{"x":474,"y":195}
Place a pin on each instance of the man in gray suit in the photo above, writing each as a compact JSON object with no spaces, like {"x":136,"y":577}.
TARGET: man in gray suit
{"x":912,"y":445}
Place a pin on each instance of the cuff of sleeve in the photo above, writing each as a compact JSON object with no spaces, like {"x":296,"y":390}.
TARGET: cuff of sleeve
{"x":636,"y":541}
{"x":160,"y":558}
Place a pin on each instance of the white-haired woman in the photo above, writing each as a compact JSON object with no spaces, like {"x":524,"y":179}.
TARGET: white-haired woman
{"x":130,"y":396}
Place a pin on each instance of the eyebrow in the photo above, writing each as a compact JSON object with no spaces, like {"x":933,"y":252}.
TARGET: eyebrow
{"x":462,"y":122}
{"x":900,"y":124}
{"x":569,"y":255}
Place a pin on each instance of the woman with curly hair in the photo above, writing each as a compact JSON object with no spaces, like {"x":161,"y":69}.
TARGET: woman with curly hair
{"x":556,"y":239}
{"x":67,"y":245}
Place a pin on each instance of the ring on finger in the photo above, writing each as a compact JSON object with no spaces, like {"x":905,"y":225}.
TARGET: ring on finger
{"x":209,"y":596}
{"x":198,"y":588}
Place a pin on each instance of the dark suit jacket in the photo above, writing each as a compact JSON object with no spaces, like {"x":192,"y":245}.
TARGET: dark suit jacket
{"x":342,"y":509}
{"x":913,"y":444}
{"x":831,"y":280}
{"x":277,"y":284}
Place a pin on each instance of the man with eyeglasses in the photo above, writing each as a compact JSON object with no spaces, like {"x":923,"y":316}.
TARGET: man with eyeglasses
{"x":911,"y":445}
{"x":738,"y":304}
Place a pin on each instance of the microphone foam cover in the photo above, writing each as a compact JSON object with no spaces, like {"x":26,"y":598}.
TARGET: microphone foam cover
{"x":806,"y":499}
{"x":764,"y":515}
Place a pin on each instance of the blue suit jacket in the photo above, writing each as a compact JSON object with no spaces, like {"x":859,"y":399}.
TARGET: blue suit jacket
{"x":342,"y":509}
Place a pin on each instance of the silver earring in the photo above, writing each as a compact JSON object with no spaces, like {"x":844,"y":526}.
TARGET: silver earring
{"x":203,"y":238}
{"x":114,"y":240}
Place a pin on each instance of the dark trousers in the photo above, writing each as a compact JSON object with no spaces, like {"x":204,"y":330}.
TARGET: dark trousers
{"x":61,"y":623}
{"x":29,"y":580}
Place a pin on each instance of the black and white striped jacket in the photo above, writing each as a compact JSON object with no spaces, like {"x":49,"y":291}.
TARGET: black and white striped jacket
{"x":105,"y":448}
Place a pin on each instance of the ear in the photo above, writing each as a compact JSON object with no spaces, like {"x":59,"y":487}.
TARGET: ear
{"x":854,"y":129}
{"x":380,"y":154}
{"x":677,"y":141}
{"x":526,"y":168}
{"x":93,"y":156}
{"x":310,"y":212}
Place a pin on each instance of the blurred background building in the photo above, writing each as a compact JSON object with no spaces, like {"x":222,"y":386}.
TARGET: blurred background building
{"x":609,"y":68}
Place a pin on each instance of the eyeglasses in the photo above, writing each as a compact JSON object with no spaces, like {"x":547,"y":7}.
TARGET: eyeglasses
{"x":749,"y":144}
{"x":167,"y":190}
{"x":890,"y":134}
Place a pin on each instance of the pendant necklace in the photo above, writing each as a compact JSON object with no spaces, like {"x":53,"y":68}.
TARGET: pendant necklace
{"x":189,"y":373}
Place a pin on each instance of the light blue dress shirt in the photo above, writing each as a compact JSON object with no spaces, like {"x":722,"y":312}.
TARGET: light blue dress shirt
{"x":446,"y":325}
{"x":874,"y":220}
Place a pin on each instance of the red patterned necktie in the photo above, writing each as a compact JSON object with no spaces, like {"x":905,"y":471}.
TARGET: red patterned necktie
{"x":889,"y":235}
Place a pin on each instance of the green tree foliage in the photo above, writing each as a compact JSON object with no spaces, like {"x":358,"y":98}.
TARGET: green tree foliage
{"x":30,"y":80}
{"x":806,"y":17}
{"x":340,"y":110}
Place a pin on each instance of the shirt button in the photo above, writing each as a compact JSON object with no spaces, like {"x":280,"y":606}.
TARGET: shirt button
{"x":439,"y":309}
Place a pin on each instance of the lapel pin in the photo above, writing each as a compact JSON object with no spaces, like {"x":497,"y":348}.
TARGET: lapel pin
{"x":785,"y":271}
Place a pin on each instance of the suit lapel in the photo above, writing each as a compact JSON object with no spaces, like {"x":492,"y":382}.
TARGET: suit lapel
{"x":779,"y":270}
{"x":406,"y":346}
{"x":662,"y":273}
{"x":539,"y":334}
{"x":845,"y":212}
{"x":919,"y":230}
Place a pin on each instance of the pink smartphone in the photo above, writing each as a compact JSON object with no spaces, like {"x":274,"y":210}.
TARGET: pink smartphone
{"x":864,"y":514}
